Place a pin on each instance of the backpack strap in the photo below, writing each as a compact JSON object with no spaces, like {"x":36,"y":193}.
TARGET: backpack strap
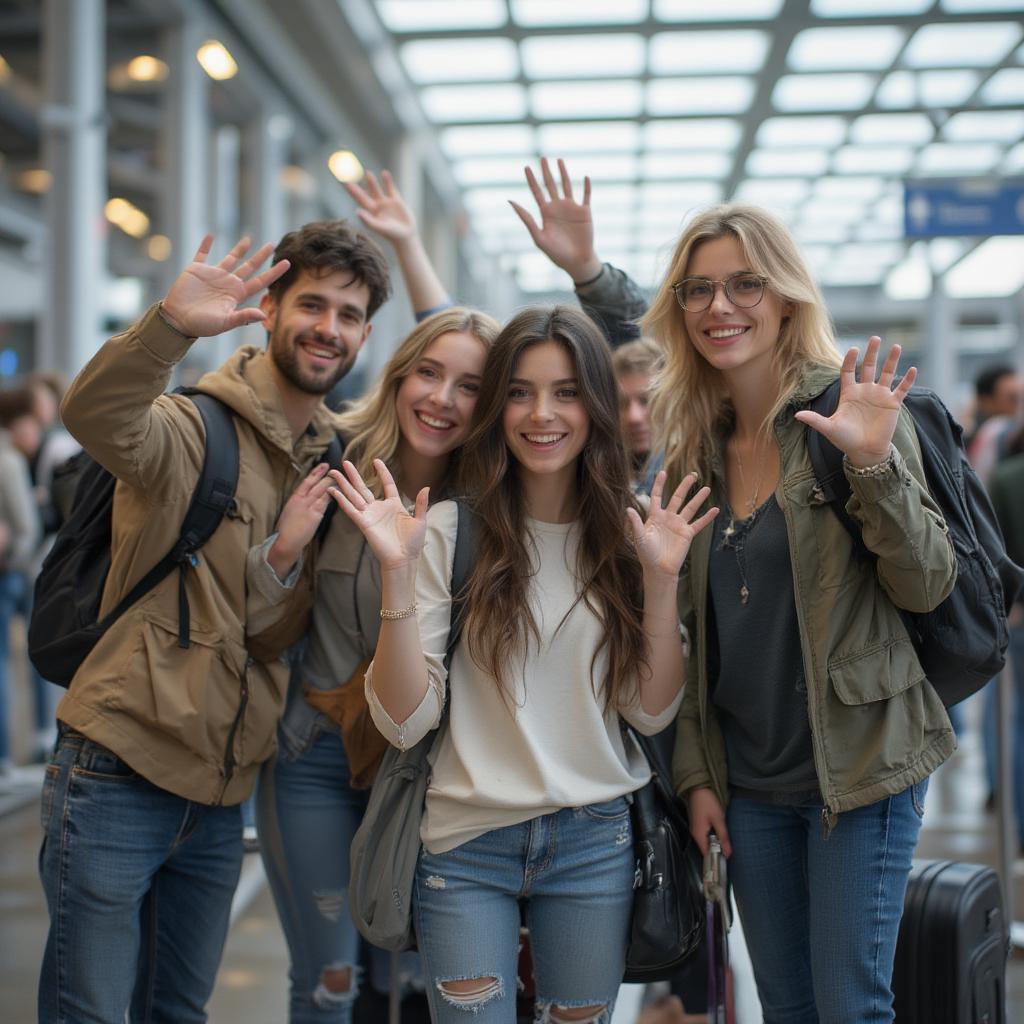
{"x":214,"y":494}
{"x":827,"y":462}
{"x":333,"y":455}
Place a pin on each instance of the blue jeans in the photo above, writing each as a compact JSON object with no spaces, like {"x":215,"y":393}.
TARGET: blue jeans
{"x":307,"y":815}
{"x":574,"y":869}
{"x":138,"y":883}
{"x":821,"y":916}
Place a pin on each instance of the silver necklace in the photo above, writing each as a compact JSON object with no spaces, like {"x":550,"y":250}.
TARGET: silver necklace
{"x":730,"y":530}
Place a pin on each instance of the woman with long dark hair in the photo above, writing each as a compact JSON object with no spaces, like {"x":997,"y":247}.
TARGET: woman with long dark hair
{"x":571,"y":625}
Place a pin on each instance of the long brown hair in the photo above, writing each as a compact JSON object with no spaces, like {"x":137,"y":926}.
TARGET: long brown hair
{"x":689,"y":403}
{"x":500,"y":623}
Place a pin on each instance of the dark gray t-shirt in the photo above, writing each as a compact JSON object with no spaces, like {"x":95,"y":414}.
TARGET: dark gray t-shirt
{"x":760,"y":695}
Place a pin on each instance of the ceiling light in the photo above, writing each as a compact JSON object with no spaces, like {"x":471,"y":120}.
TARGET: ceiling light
{"x":1005,"y":87}
{"x":945,"y":158}
{"x":674,"y":53}
{"x":695,"y":133}
{"x":960,"y":44}
{"x":618,"y":98}
{"x":345,"y":165}
{"x":435,"y":15}
{"x":701,"y":10}
{"x":487,"y":140}
{"x":558,"y":138}
{"x":867,"y":8}
{"x":985,"y":126}
{"x":832,"y":49}
{"x":127,"y":216}
{"x":909,"y":129}
{"x":873,"y":159}
{"x":571,"y":12}
{"x":158,"y":248}
{"x":686,"y":164}
{"x":787,"y":162}
{"x":995,"y":268}
{"x":145,"y":68}
{"x":36,"y":180}
{"x":926,"y":88}
{"x":566,"y":56}
{"x":822,"y":92}
{"x":910,"y":280}
{"x":712,"y":95}
{"x":216,"y":61}
{"x":801,"y":131}
{"x":474,"y":102}
{"x":457,"y":60}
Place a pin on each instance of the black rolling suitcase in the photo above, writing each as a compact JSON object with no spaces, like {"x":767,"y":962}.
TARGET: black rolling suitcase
{"x":953,"y":945}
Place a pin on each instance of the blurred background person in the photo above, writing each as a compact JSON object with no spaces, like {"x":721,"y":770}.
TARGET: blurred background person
{"x":635,"y":364}
{"x":19,"y":532}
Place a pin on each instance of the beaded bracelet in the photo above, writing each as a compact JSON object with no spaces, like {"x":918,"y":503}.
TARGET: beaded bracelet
{"x":398,"y":613}
{"x":877,"y":470}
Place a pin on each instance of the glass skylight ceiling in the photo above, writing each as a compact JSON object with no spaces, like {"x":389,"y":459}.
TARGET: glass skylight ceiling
{"x":670,"y":105}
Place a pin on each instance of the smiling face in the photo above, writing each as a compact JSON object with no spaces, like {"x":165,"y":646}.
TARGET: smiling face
{"x":728,"y":336}
{"x":435,"y":400}
{"x":317,"y":328}
{"x":545,"y":421}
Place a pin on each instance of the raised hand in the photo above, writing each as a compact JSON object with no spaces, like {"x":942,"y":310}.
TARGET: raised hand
{"x":865,"y":419}
{"x":299,"y":519}
{"x":382,"y":208}
{"x":394,"y":536}
{"x":204,"y":299}
{"x":566,"y":232}
{"x":662,"y":542}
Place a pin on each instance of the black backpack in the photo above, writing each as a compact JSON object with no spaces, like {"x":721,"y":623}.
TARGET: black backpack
{"x":65,"y":624}
{"x":961,"y":644}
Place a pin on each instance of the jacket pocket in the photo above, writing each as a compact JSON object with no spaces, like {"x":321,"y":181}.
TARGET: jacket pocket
{"x":877,"y":673}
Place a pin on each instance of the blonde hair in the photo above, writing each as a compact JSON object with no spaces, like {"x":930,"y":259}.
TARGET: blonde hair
{"x":689,"y":400}
{"x":640,"y":356}
{"x":370,"y":424}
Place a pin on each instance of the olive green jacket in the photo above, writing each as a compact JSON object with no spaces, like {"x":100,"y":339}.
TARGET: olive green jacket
{"x":877,"y":726}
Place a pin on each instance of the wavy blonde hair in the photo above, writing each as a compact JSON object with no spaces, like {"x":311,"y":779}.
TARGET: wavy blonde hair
{"x":370,"y":424}
{"x":689,"y":402}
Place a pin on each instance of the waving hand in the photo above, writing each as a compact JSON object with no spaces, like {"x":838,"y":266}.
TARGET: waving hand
{"x":394,"y":536}
{"x":865,"y":419}
{"x":663,"y":541}
{"x":204,"y":299}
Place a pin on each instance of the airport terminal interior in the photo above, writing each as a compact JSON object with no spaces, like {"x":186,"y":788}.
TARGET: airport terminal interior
{"x":888,"y":135}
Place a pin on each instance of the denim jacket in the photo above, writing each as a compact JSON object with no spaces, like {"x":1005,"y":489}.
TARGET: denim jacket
{"x":877,"y":726}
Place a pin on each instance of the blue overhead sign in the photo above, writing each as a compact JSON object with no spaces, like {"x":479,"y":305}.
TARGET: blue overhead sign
{"x":978,"y":206}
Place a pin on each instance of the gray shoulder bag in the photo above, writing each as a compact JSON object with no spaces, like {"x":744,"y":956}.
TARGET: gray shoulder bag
{"x":386,"y":845}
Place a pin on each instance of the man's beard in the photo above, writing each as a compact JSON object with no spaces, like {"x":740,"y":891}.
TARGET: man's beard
{"x":285,"y":355}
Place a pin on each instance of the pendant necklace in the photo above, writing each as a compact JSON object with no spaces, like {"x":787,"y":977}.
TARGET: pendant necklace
{"x":731,"y":530}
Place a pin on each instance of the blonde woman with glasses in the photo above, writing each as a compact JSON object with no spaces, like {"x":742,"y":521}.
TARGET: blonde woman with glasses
{"x":807,"y":731}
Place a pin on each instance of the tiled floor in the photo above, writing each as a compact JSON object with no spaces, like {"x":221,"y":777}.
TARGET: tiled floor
{"x":252,"y":985}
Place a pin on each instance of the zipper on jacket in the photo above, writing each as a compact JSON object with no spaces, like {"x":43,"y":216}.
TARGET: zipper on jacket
{"x":229,"y":750}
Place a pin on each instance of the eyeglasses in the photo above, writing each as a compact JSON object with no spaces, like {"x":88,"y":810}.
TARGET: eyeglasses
{"x":695,"y":294}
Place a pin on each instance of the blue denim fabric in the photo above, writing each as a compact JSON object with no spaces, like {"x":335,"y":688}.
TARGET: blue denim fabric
{"x":138,"y":883}
{"x":821,"y":915}
{"x":574,"y":869}
{"x":307,"y":815}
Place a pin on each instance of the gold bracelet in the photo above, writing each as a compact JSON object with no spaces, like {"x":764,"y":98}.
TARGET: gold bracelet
{"x":399,"y":613}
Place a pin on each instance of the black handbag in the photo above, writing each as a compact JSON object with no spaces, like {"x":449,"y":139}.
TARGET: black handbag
{"x":668,"y":923}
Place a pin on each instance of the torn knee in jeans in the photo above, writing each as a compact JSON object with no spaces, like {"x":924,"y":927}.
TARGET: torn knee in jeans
{"x":470,"y":993}
{"x":337,"y":985}
{"x":551,"y":1013}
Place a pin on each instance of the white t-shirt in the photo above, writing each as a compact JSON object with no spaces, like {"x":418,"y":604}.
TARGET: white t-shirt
{"x":500,"y":762}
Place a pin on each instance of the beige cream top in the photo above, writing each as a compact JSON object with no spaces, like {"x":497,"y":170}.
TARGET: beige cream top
{"x":555,"y":747}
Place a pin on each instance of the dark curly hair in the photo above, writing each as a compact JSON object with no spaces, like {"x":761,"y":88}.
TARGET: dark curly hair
{"x":325,"y":246}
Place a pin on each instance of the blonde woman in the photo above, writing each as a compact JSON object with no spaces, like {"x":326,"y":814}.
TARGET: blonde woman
{"x":311,"y":802}
{"x":808,"y":731}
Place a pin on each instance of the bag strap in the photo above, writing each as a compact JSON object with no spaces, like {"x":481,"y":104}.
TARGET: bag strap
{"x":465,"y":549}
{"x":214,"y":494}
{"x":333,"y":456}
{"x":827,"y":462}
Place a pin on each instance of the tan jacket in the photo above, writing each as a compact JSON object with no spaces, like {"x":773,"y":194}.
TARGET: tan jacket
{"x":195,"y":721}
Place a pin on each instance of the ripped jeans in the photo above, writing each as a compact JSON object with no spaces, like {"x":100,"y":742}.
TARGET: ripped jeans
{"x":306,"y":816}
{"x":574,"y":869}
